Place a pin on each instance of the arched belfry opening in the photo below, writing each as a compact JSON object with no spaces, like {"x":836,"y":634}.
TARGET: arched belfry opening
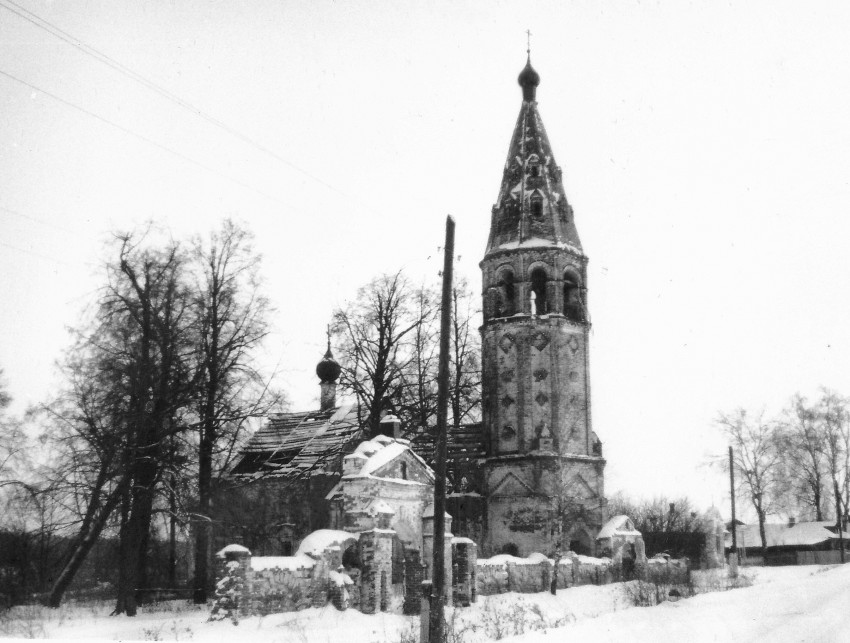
{"x":508,"y":289}
{"x":539,"y":280}
{"x":573,"y":307}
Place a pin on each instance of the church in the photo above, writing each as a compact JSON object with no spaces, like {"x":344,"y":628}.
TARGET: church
{"x":530,"y":476}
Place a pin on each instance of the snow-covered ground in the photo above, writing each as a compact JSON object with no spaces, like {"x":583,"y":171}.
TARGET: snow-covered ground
{"x":806,"y":603}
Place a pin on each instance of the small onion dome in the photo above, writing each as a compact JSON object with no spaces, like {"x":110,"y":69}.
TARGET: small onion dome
{"x":328,"y":369}
{"x":528,"y":80}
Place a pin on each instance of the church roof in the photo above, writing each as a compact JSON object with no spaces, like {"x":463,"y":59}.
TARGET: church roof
{"x":532,"y":206}
{"x":292,"y":444}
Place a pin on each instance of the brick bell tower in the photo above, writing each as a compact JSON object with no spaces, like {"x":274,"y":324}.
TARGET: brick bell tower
{"x":543,"y":468}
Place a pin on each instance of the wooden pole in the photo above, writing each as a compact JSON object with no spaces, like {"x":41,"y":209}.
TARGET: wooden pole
{"x":439,"y":569}
{"x":838,"y":519}
{"x":732,"y":497}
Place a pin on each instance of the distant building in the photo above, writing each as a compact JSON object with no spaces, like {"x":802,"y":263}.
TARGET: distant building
{"x":789,"y":543}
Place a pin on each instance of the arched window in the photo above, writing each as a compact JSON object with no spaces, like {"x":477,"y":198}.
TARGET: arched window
{"x":538,"y":287}
{"x":536,"y":207}
{"x":573,"y":308}
{"x":509,"y":290}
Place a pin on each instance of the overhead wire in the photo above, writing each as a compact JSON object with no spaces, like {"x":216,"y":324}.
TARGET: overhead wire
{"x":35,"y":254}
{"x":37,"y":220}
{"x":123,"y":69}
{"x":146,"y":139}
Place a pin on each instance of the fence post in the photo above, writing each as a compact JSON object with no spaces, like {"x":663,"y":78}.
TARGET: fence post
{"x":425,"y":612}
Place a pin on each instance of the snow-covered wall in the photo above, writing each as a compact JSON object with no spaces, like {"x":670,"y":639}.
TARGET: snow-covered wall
{"x":505,"y":573}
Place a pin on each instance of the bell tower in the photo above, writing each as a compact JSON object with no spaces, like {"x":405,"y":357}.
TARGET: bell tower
{"x":543,"y":467}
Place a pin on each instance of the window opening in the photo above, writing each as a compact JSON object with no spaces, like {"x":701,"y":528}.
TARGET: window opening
{"x":537,"y":208}
{"x":572,"y":298}
{"x":538,"y":287}
{"x":510,"y":293}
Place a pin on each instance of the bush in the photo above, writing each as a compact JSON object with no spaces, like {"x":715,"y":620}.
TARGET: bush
{"x":228,"y":592}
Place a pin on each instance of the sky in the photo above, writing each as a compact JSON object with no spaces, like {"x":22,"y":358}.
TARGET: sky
{"x":704,"y":146}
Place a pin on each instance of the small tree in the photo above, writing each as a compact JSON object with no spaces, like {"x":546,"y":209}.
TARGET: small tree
{"x":757,"y":458}
{"x":228,"y":591}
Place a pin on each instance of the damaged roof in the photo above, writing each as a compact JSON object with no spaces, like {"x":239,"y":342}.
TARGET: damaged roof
{"x":292,"y":444}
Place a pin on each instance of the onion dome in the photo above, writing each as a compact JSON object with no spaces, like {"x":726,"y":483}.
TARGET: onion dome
{"x":328,"y":369}
{"x":528,"y":80}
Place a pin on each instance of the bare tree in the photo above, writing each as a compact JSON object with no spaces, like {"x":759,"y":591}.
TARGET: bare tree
{"x":658,"y":515}
{"x":230,"y":318}
{"x":465,"y":356}
{"x":88,"y":434}
{"x":803,"y":455}
{"x":130,"y":382}
{"x":834,"y":413}
{"x":373,"y":342}
{"x":13,"y":442}
{"x":757,"y":460}
{"x":417,"y":403}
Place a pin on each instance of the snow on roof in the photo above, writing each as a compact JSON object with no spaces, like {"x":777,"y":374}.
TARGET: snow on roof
{"x":231,"y":549}
{"x":781,"y":535}
{"x":291,"y":563}
{"x":536,"y":242}
{"x":429,"y":512}
{"x":462,"y":540}
{"x":322,"y":539}
{"x":618,"y":526}
{"x":538,"y":557}
{"x":382,"y":450}
{"x":340,"y":578}
{"x":805,"y":533}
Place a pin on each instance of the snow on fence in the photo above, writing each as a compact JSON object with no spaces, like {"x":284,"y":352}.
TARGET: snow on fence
{"x":290,"y":583}
{"x":315,"y":574}
{"x":505,"y":573}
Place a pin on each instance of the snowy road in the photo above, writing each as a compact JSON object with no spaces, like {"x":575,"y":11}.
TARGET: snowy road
{"x":806,"y":603}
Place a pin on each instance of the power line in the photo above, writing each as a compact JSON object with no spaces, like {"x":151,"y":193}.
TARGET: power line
{"x":43,"y":24}
{"x":144,"y":138}
{"x":35,"y":254}
{"x":37,"y":220}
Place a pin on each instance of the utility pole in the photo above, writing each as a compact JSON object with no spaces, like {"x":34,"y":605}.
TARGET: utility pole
{"x":838,"y":515}
{"x":437,"y":624}
{"x":732,"y":497}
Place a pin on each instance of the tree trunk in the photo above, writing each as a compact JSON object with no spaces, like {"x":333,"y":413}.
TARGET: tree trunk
{"x":172,"y":535}
{"x":89,"y":533}
{"x":202,"y":529}
{"x":761,"y":518}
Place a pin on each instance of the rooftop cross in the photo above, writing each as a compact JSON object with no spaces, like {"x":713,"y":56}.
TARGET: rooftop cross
{"x":528,"y":42}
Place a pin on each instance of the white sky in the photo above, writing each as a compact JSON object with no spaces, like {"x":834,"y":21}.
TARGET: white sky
{"x":704,"y":145}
